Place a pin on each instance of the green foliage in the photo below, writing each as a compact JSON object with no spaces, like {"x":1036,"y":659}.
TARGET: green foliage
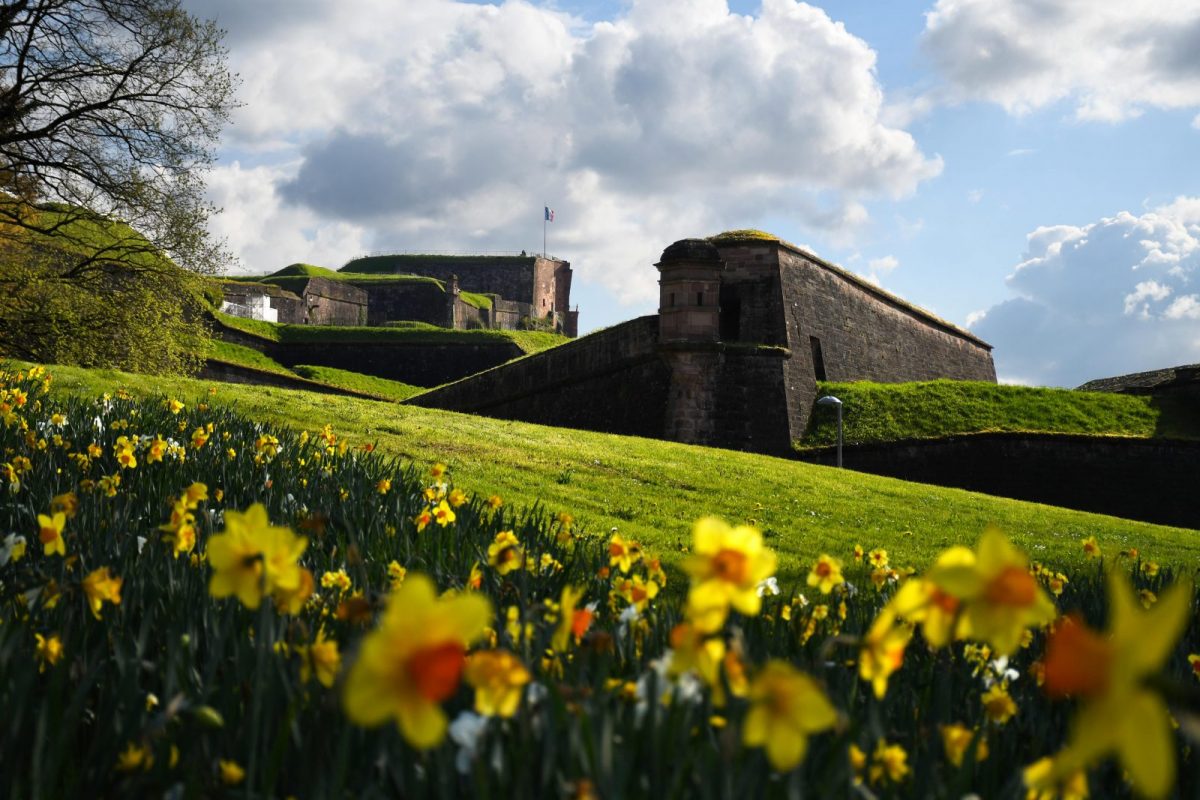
{"x":654,"y":490}
{"x":744,"y":233}
{"x":875,"y":412}
{"x":197,"y":680}
{"x":366,"y":384}
{"x":475,"y":299}
{"x":96,"y":293}
{"x":398,"y":263}
{"x":527,"y":341}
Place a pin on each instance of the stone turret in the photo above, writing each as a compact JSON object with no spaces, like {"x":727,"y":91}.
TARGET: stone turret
{"x":689,"y":287}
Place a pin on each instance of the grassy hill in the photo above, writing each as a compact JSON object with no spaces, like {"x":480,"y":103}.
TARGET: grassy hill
{"x":654,"y":490}
{"x":527,"y":341}
{"x":877,"y":412}
{"x":294,"y":277}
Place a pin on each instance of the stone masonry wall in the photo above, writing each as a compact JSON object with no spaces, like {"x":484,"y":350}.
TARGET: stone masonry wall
{"x":1152,"y":480}
{"x":862,"y":336}
{"x":333,"y":303}
{"x":613,"y":381}
{"x":416,"y":301}
{"x":416,"y":363}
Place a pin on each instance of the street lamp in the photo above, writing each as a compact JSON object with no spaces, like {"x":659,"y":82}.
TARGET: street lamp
{"x":830,"y":400}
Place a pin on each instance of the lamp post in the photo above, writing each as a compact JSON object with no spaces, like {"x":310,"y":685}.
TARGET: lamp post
{"x":830,"y":400}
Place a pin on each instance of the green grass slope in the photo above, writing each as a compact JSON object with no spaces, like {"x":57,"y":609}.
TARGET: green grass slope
{"x":355,"y":381}
{"x":528,"y":341}
{"x":654,"y":490}
{"x":243,"y":356}
{"x":878,"y":412}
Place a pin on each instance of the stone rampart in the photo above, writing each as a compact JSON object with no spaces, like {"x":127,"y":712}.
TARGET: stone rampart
{"x":1153,"y":480}
{"x":613,"y":380}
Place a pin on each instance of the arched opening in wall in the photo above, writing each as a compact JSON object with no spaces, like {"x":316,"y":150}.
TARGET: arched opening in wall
{"x":817,"y":358}
{"x":730,"y":314}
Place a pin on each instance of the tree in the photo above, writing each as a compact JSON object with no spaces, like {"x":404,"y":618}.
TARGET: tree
{"x":109,"y":113}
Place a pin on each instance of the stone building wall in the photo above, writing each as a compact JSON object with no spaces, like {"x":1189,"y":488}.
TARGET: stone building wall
{"x":837,"y":326}
{"x":613,"y":381}
{"x":1153,"y":480}
{"x":334,"y":303}
{"x":415,"y":301}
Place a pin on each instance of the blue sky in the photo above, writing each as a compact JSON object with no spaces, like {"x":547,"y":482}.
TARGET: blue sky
{"x":934,"y":146}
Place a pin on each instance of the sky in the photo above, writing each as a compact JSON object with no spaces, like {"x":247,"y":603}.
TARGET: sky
{"x":1029,"y":169}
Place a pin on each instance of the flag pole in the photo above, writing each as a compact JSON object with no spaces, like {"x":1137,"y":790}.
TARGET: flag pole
{"x":545,"y":216}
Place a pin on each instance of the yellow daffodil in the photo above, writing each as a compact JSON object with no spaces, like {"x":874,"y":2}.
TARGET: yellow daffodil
{"x":573,"y":622}
{"x":494,"y":502}
{"x":826,"y":573}
{"x":456,"y":498}
{"x":49,"y":651}
{"x":889,"y":761}
{"x":623,"y":553}
{"x":50,"y":533}
{"x":252,"y":558}
{"x":878,"y":558}
{"x":174,"y":406}
{"x":231,"y":772}
{"x":383,"y":486}
{"x":67,"y":503}
{"x":499,"y":678}
{"x":396,"y":574}
{"x":1091,"y":548}
{"x":1118,"y":713}
{"x":1048,"y":780}
{"x":135,"y":758}
{"x":998,"y":595}
{"x":336,"y":580}
{"x":786,"y":708}
{"x":697,"y":652}
{"x":882,"y":650}
{"x":414,"y":660}
{"x":998,"y":705}
{"x":956,"y":739}
{"x":505,"y":553}
{"x":443,"y":515}
{"x":100,"y":586}
{"x":636,"y":591}
{"x":423,"y":519}
{"x":195,"y":494}
{"x":726,"y":566}
{"x":322,"y":658}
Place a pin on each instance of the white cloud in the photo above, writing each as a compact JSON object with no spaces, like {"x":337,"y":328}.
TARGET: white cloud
{"x":267,"y":234}
{"x":974,"y":196}
{"x":441,"y":124}
{"x":1111,"y":60}
{"x":882,"y":265}
{"x":1020,"y":151}
{"x":1102,"y":299}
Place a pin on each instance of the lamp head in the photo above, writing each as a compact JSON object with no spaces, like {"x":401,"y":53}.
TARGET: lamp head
{"x":828,"y":400}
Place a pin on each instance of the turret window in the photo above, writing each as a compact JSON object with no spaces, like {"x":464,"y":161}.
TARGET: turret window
{"x":699,"y":298}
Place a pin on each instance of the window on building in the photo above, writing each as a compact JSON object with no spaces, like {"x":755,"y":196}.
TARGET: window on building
{"x":731,"y":314}
{"x":699,"y":298}
{"x":818,"y":359}
{"x":672,"y":296}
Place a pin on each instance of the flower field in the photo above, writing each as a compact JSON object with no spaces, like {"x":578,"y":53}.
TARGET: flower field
{"x":193,"y":604}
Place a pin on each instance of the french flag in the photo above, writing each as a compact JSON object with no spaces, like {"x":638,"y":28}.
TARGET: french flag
{"x":549,"y":214}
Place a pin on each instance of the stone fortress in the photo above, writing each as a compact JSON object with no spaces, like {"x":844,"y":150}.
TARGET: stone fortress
{"x":460,"y":292}
{"x":747,"y":325}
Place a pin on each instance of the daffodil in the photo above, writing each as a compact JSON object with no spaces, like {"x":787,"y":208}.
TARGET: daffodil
{"x":957,"y":739}
{"x":50,"y":533}
{"x":1091,"y":548}
{"x":726,"y":566}
{"x":998,"y":705}
{"x":499,"y":679}
{"x":101,"y":586}
{"x":623,"y":553}
{"x":505,"y":553}
{"x":786,"y":708}
{"x":1118,"y":713}
{"x":49,"y":650}
{"x":882,"y":650}
{"x":998,"y":595}
{"x":231,"y":772}
{"x":826,"y":573}
{"x":697,"y":652}
{"x":414,"y":660}
{"x":889,"y":761}
{"x":321,"y":658}
{"x":636,"y":591}
{"x":252,"y":558}
{"x":573,"y":622}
